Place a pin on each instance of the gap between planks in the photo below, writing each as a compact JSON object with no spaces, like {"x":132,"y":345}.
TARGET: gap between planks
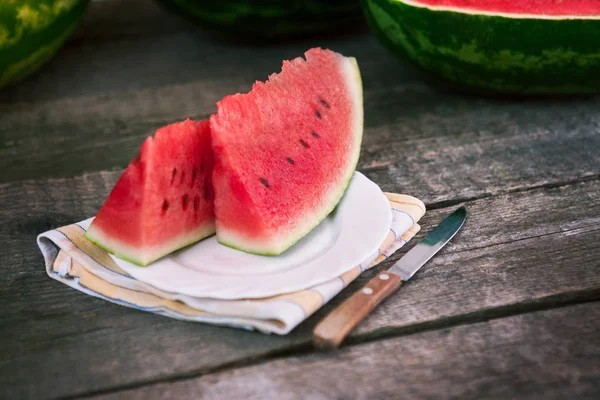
{"x":437,"y":205}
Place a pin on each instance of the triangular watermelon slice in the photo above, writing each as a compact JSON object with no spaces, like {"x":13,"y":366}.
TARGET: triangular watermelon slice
{"x":163,"y":200}
{"x":285,"y":152}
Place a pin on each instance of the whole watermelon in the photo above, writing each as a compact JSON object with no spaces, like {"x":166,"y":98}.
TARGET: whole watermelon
{"x":529,"y":47}
{"x":32,"y":31}
{"x":269,"y":19}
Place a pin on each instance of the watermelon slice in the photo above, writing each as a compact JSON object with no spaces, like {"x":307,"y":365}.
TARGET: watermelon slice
{"x":285,"y":152}
{"x":164,"y":199}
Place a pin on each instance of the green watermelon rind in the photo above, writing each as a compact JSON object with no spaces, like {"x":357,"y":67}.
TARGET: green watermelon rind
{"x":23,"y":48}
{"x":492,"y":53}
{"x":98,"y":241}
{"x":122,"y":256}
{"x":356,"y":83}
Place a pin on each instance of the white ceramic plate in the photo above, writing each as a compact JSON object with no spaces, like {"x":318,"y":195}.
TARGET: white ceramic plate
{"x":347,"y":237}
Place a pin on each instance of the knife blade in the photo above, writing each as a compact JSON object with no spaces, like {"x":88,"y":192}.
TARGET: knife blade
{"x":330,"y":332}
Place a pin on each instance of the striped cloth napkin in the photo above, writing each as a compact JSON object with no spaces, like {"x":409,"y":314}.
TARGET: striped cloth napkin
{"x":74,"y":261}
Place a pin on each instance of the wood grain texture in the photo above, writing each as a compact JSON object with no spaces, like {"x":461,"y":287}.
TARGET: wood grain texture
{"x":109,"y":20}
{"x":520,"y":251}
{"x":99,"y":65}
{"x":552,"y":145}
{"x":512,"y":250}
{"x":334,"y":328}
{"x":90,"y":108}
{"x":529,"y":168}
{"x":491,"y":360}
{"x":119,"y":96}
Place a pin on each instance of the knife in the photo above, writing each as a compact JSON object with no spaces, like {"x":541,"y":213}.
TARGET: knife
{"x":330,"y":332}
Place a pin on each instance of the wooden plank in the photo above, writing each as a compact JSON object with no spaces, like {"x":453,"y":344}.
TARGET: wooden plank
{"x":484,"y":147}
{"x":551,"y":354}
{"x":115,"y":19}
{"x":439,"y":154}
{"x":97,"y":66}
{"x":412,"y":129}
{"x":91,"y":107}
{"x":122,"y":93}
{"x":524,"y":251}
{"x":519,"y":251}
{"x":119,"y":67}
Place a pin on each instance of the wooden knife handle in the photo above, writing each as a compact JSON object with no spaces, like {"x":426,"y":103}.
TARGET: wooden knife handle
{"x":335,"y":327}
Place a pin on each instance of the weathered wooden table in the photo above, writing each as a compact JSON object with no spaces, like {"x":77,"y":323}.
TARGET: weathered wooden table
{"x":509,"y":309}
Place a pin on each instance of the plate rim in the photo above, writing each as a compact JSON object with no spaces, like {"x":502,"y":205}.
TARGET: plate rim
{"x":217,"y":294}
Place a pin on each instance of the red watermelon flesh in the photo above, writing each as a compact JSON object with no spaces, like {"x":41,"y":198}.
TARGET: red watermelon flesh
{"x":163,"y":200}
{"x":534,"y":8}
{"x":285,"y":152}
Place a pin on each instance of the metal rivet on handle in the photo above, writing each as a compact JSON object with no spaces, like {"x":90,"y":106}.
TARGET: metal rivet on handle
{"x":367,"y":290}
{"x":384,"y":277}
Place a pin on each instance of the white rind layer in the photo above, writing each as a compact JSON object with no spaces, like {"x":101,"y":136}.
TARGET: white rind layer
{"x":259,"y":245}
{"x":146,"y":255}
{"x":416,"y":3}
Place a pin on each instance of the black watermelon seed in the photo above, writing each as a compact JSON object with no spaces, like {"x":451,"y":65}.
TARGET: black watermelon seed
{"x":264,"y":182}
{"x":318,"y":114}
{"x":326,"y":104}
{"x":173,"y":175}
{"x":315,"y":134}
{"x":207,"y":188}
{"x":165,"y":205}
{"x":304,"y":144}
{"x":184,"y":201}
{"x":194,"y":173}
{"x":290,"y":160}
{"x":207,"y":192}
{"x":196,"y":202}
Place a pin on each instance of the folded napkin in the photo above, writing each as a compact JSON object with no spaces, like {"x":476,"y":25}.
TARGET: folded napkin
{"x":73,"y":260}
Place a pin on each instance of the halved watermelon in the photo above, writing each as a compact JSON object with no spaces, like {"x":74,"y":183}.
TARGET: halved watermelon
{"x":503,"y":46}
{"x":285,"y":152}
{"x":32,"y":31}
{"x":164,"y":199}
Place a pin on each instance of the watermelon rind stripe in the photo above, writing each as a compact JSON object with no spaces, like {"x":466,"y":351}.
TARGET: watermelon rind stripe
{"x":351,"y":72}
{"x":492,"y":53}
{"x":22,"y":68}
{"x":32,"y":32}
